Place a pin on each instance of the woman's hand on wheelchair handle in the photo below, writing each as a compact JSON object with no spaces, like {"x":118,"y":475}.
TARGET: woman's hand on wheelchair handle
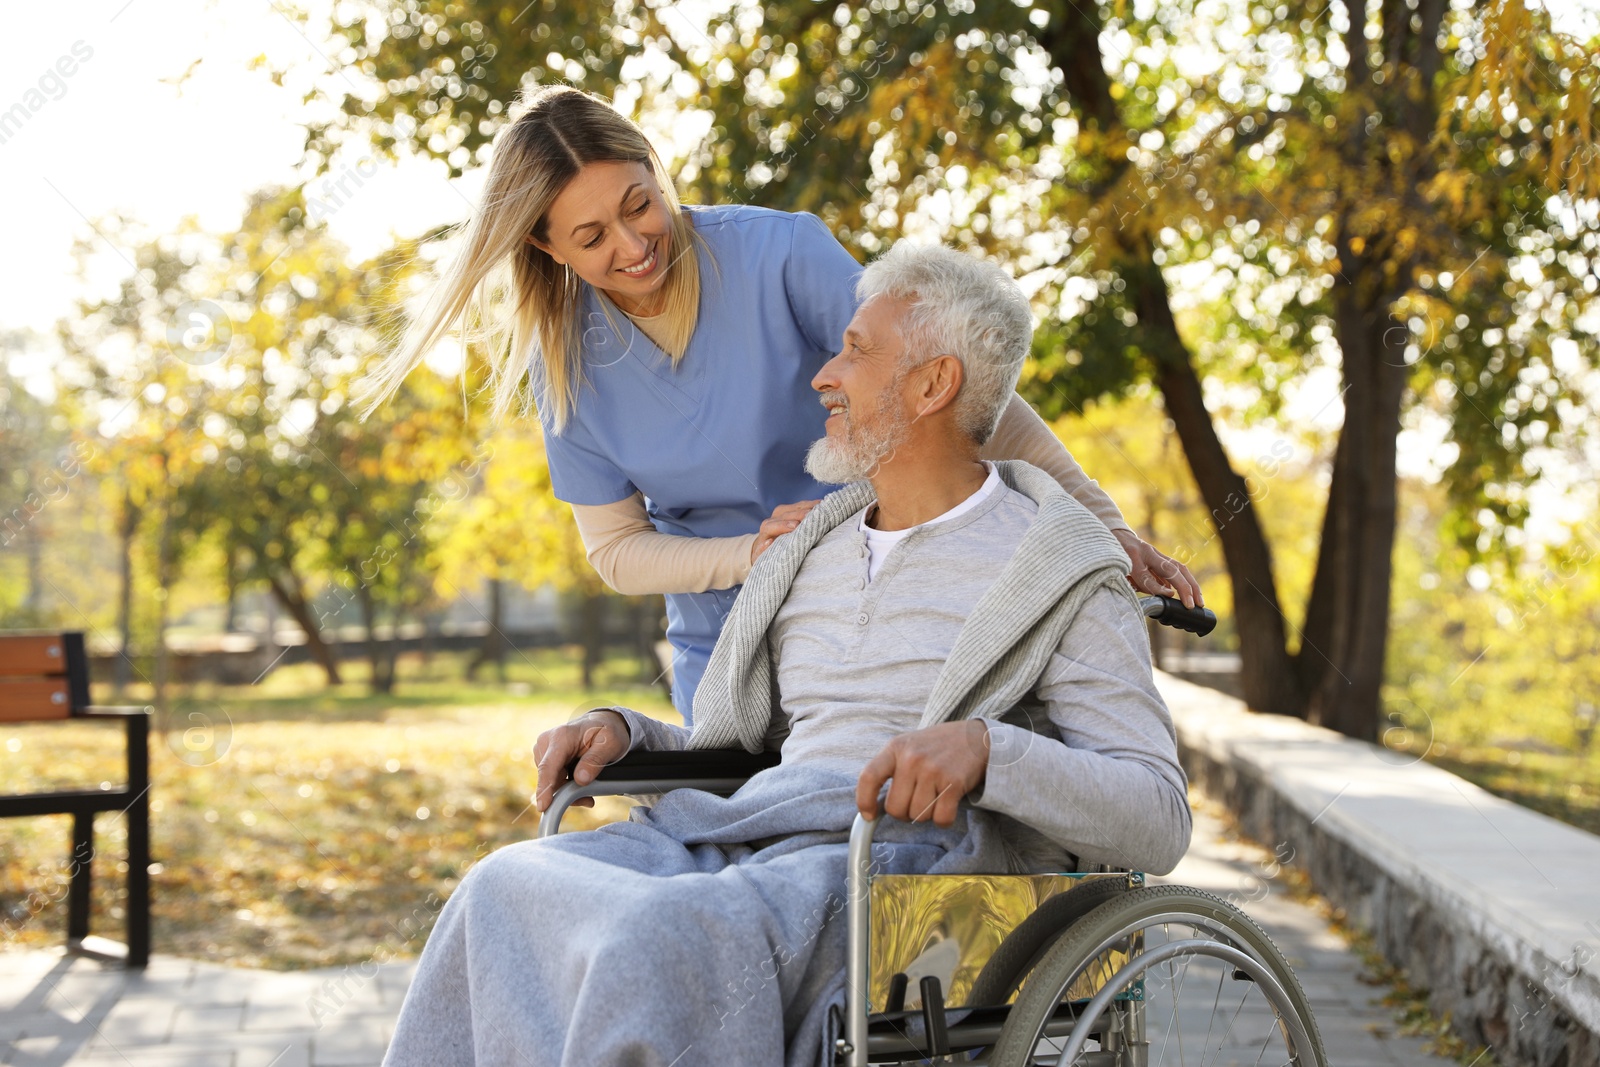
{"x":929,"y":772}
{"x":1157,"y":573}
{"x":584,"y":745}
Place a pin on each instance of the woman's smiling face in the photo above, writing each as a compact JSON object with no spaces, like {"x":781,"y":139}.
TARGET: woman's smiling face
{"x":612,"y":227}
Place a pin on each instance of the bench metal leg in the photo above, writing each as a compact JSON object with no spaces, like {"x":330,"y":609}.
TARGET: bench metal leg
{"x":138,"y":815}
{"x":78,"y":893}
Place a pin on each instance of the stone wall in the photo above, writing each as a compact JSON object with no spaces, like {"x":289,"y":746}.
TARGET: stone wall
{"x":1442,"y":875}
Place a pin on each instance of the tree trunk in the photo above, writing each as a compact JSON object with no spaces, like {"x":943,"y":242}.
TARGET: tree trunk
{"x":1359,"y":528}
{"x":647,"y":612}
{"x":230,"y":620}
{"x":379,"y":658}
{"x":1342,"y":655}
{"x":1266,"y":673}
{"x":389,"y":653}
{"x":427,"y":645}
{"x":33,"y":539}
{"x":493,"y":649}
{"x":591,"y":626}
{"x":269,"y":623}
{"x":497,"y":623}
{"x":300,"y":611}
{"x":163,"y":665}
{"x":1316,"y":635}
{"x":1337,"y":674}
{"x":122,"y":673}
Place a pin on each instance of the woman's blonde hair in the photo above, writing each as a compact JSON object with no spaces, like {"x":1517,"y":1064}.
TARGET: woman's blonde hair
{"x":557,"y":132}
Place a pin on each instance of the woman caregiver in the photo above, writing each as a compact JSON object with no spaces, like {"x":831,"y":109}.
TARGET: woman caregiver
{"x":669,"y":352}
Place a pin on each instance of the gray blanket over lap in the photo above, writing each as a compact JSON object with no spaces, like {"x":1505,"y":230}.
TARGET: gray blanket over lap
{"x":702,"y":931}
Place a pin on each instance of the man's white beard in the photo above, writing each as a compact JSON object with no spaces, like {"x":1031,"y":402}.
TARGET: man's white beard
{"x":854,"y":455}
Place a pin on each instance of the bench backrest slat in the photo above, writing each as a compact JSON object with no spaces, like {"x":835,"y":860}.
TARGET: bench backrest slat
{"x":32,"y":654}
{"x":42,"y":676}
{"x":27,"y":699}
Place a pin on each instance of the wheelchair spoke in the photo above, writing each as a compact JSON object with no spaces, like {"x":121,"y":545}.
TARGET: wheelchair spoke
{"x":1216,"y":1001}
{"x":1177,"y":996}
{"x":1267,"y":1040}
{"x":1223,"y":1040}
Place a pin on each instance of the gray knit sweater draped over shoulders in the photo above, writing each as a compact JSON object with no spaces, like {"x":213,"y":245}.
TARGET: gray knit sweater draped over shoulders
{"x":999,"y":655}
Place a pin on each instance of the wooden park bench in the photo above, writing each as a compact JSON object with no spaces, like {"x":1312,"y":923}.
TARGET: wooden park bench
{"x":45,"y":677}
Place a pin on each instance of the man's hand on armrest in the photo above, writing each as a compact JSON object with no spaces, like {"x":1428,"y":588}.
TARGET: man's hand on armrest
{"x":585,"y":745}
{"x":930,"y":770}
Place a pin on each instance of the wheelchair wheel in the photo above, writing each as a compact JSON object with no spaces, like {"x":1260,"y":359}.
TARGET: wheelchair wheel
{"x":1196,"y":979}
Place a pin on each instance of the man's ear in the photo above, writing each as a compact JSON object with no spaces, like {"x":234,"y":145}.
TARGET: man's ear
{"x":939,"y":383}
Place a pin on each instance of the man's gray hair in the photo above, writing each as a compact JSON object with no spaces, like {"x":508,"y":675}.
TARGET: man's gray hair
{"x":960,"y":306}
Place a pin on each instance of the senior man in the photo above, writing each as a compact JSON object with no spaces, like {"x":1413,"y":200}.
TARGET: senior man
{"x":959,"y":632}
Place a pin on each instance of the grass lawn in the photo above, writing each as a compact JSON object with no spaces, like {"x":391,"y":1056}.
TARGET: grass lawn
{"x":1560,"y":785}
{"x":298,"y":827}
{"x":1518,"y":744}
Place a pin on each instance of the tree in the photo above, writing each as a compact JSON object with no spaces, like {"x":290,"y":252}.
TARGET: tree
{"x":1379,"y":182}
{"x":37,"y":459}
{"x":222,"y":366}
{"x":147,"y":412}
{"x":513,"y":529}
{"x":380,"y":520}
{"x":151,"y":361}
{"x":489,"y":537}
{"x":328,"y":510}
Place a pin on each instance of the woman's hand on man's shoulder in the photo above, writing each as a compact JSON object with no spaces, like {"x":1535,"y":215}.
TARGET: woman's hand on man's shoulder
{"x":785,"y":517}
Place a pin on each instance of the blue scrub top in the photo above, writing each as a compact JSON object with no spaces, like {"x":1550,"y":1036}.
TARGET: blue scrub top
{"x":717,"y":443}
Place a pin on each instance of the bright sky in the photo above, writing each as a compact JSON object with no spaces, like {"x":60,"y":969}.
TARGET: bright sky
{"x":160,"y":118}
{"x":120,"y":135}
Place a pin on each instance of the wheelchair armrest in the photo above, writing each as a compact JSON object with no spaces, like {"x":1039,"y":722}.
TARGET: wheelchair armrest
{"x":720,"y":771}
{"x":673,"y":766}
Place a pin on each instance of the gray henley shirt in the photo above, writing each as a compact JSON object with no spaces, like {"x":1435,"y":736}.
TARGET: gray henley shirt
{"x":1089,"y":764}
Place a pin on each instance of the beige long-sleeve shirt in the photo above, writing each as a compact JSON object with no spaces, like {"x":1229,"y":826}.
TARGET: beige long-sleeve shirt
{"x":634,"y":558}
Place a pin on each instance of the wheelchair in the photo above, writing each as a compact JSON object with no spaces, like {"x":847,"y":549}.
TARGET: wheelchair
{"x":1081,"y":969}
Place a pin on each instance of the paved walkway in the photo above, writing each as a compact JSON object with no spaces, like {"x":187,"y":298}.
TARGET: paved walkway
{"x":182,"y":1013}
{"x":1357,"y":1030}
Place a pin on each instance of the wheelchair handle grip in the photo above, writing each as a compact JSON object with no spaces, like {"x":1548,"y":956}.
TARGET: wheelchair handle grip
{"x":1170,"y":612}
